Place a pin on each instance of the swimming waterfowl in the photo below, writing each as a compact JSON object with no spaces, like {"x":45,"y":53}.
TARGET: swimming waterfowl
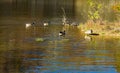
{"x":61,"y":33}
{"x":27,"y":25}
{"x":88,"y":32}
{"x":45,"y":24}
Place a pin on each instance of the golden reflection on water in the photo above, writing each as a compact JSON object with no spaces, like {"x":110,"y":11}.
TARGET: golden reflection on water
{"x":20,"y":53}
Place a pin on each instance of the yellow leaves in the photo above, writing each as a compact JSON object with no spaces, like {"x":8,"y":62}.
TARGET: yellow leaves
{"x":116,"y":7}
{"x":92,"y":4}
{"x":99,"y":6}
{"x":94,"y":15}
{"x":94,"y":9}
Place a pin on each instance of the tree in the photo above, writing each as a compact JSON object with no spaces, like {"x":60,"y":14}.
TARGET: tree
{"x":94,"y":10}
{"x":116,"y":8}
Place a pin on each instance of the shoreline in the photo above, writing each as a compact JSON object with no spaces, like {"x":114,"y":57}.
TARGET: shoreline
{"x":103,"y":29}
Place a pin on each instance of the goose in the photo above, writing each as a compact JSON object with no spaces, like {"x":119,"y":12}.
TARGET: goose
{"x":45,"y":24}
{"x":88,"y":32}
{"x":27,"y":25}
{"x":61,"y":33}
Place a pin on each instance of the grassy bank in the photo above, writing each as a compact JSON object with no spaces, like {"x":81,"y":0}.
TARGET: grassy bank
{"x":102,"y":28}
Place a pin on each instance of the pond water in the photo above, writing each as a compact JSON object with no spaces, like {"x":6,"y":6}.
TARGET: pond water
{"x":20,"y":52}
{"x":40,"y":49}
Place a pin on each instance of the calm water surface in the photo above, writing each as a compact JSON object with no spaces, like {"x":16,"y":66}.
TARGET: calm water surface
{"x":21,"y":53}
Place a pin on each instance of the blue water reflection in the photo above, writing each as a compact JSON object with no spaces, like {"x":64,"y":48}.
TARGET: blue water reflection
{"x":81,"y":69}
{"x":69,"y":54}
{"x":53,"y":64}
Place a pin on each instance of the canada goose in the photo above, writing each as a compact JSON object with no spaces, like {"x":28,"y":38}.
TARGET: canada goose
{"x":45,"y":24}
{"x":61,"y":33}
{"x":89,"y":32}
{"x":29,"y":24}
